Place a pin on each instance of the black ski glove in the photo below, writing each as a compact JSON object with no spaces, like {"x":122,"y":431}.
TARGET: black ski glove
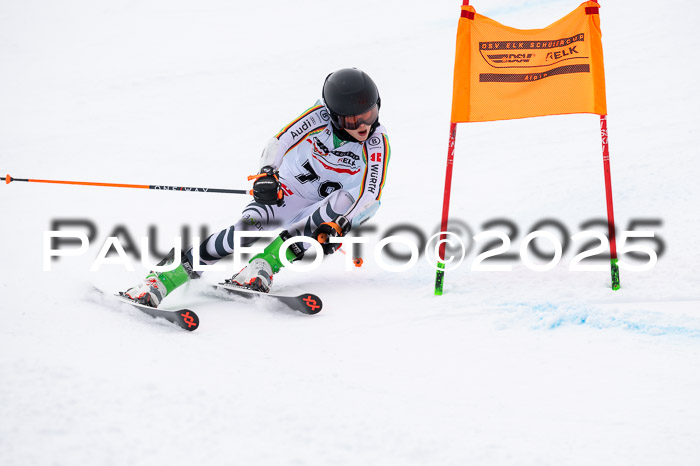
{"x":338,"y":227}
{"x":267,"y":188}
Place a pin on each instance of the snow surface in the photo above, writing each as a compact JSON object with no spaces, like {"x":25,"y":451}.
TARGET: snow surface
{"x":507,"y":368}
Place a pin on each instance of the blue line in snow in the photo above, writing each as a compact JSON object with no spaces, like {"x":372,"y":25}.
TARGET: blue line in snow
{"x":552,"y":316}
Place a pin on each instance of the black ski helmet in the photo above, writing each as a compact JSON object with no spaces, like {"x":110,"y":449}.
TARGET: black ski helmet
{"x":349,"y":92}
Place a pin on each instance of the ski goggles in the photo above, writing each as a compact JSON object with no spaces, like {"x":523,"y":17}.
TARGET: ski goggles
{"x":354,"y":121}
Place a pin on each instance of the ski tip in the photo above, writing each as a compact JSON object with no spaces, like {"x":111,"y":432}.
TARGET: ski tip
{"x":189,"y":320}
{"x":186,"y":319}
{"x":312,"y":303}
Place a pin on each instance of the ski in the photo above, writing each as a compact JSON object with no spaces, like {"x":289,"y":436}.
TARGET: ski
{"x":183,"y":318}
{"x":307,"y":303}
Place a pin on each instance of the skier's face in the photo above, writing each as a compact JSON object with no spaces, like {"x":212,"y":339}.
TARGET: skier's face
{"x":361,"y":133}
{"x":359,"y":126}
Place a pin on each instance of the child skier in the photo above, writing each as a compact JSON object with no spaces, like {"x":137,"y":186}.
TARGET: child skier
{"x":320,"y":176}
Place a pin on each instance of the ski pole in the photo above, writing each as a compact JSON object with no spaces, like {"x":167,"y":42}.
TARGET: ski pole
{"x":322,"y":238}
{"x":355,"y":260}
{"x":8,"y":179}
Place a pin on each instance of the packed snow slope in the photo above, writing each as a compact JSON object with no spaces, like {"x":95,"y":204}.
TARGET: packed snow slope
{"x":506,"y":368}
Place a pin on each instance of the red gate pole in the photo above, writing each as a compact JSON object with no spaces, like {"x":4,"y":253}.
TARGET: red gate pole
{"x":440,"y":275}
{"x":614,"y":268}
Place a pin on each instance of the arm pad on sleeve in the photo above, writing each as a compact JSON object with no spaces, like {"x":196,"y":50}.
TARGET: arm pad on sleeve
{"x":269,"y":154}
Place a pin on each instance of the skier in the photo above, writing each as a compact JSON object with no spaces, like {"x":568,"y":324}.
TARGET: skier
{"x":320,"y":176}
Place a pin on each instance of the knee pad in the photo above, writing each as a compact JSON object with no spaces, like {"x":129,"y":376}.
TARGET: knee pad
{"x":340,"y":201}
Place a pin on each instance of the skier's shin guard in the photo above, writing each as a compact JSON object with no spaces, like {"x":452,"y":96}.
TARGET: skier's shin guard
{"x":271,"y":254}
{"x":179,"y":276}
